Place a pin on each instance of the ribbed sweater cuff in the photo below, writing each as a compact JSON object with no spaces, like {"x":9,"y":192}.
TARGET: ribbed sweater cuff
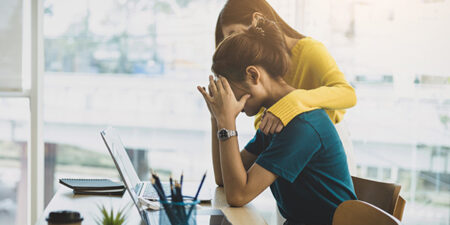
{"x":289,"y":107}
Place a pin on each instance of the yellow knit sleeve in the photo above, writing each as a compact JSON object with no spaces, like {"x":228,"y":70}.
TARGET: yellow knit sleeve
{"x":332,"y":92}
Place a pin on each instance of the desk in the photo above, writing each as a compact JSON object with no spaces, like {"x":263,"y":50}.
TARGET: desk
{"x":87,"y":205}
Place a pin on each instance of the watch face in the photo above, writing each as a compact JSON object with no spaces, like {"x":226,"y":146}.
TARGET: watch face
{"x":223,"y":134}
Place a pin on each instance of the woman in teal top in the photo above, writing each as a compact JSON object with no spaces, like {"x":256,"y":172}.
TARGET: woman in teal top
{"x":305,"y":164}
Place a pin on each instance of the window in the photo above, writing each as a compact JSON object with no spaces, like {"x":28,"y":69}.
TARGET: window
{"x":133,"y":65}
{"x":11,"y":24}
{"x":399,"y":127}
{"x":14,"y":136}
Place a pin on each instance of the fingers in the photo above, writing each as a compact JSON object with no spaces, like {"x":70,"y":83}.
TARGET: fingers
{"x":264,"y":113}
{"x":263,"y":123}
{"x":244,"y":99}
{"x":219,"y":85}
{"x":206,"y":96}
{"x":209,"y":91}
{"x":274,"y":127}
{"x":225,"y":84}
{"x":204,"y":89}
{"x":270,"y":124}
{"x":212,"y":86}
{"x":279,"y":127}
{"x":267,"y":127}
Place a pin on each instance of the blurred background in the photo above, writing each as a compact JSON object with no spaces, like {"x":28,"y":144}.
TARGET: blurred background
{"x":135,"y":65}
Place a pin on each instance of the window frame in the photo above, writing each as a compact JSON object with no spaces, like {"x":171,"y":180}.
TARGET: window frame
{"x":35,"y":149}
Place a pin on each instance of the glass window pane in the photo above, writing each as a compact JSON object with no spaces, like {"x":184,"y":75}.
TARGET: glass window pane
{"x":14,"y":139}
{"x":133,"y":65}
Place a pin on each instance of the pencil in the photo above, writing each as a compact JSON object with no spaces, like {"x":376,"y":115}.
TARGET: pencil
{"x":195,"y":198}
{"x":171,"y":187}
{"x":158,"y":190}
{"x":200,"y":186}
{"x":179,"y":196}
{"x":181,"y":179}
{"x":181,"y":208}
{"x":158,"y":181}
{"x":167,"y":207}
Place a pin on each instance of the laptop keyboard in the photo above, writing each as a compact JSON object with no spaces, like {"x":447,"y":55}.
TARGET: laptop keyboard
{"x":150,"y":192}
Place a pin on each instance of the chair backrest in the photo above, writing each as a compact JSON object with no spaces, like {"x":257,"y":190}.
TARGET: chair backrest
{"x":356,"y":212}
{"x":380,"y":194}
{"x":399,"y":208}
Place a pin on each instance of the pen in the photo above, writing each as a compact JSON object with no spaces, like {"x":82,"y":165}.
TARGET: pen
{"x":196,"y":196}
{"x":162,"y":197}
{"x":158,"y":182}
{"x":200,"y":186}
{"x":158,"y":190}
{"x":171,"y":188}
{"x":179,"y":196}
{"x":181,"y":208}
{"x":181,"y":179}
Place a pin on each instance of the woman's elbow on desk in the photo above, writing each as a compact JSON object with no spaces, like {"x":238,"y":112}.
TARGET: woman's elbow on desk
{"x":236,"y":200}
{"x":239,"y":196}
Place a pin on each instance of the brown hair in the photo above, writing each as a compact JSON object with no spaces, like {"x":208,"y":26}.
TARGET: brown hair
{"x":262,"y":45}
{"x":241,"y":12}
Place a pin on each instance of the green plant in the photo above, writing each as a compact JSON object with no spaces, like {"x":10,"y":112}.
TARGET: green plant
{"x":112,"y":218}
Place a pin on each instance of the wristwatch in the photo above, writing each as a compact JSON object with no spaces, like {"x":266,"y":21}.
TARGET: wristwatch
{"x":224,"y":134}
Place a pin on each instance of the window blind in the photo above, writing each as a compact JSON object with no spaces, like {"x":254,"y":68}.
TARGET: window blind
{"x":10,"y":45}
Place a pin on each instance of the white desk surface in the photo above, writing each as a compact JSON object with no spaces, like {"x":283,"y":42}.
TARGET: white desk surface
{"x":88,"y":205}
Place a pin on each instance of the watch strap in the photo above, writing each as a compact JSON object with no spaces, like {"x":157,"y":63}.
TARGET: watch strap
{"x":225,"y":134}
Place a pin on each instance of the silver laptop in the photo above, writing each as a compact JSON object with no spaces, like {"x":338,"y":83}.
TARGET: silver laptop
{"x":131,"y":179}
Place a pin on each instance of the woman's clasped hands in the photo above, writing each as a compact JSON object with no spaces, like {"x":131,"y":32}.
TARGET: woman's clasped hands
{"x":221,"y":101}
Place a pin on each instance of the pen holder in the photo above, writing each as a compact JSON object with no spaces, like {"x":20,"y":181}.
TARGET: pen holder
{"x":179,"y":213}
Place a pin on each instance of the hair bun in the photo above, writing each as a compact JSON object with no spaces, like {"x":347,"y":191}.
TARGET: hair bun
{"x":259,"y":28}
{"x":260,"y":31}
{"x":267,"y":32}
{"x":260,"y":24}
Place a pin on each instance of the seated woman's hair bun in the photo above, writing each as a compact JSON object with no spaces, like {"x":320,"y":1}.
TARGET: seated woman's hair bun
{"x":262,"y":44}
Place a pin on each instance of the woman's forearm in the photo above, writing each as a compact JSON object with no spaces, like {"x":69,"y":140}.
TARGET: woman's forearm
{"x":216,"y":153}
{"x":234,"y":175}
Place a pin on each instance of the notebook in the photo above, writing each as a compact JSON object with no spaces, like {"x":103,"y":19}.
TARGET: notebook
{"x":91,"y":184}
{"x":115,"y":192}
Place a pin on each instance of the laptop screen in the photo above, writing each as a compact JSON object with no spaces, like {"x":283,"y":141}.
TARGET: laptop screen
{"x":121,"y":159}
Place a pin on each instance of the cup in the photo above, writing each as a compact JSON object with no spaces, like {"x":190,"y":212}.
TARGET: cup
{"x":64,"y":217}
{"x":179,"y":213}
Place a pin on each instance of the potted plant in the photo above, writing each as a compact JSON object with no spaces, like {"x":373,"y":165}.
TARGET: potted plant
{"x":109,"y":217}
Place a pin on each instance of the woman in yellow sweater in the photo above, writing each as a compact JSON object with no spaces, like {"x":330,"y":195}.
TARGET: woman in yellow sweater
{"x":313,"y":72}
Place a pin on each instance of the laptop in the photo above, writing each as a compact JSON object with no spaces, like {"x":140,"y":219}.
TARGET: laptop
{"x":131,"y":179}
{"x":141,"y":192}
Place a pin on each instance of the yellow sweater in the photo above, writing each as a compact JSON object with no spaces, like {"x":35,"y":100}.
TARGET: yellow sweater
{"x":319,"y":84}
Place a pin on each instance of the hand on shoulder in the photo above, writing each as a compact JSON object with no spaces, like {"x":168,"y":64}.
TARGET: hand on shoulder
{"x":270,"y":124}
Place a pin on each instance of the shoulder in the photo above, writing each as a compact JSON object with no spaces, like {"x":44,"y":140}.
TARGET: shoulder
{"x":309,"y":117}
{"x":319,"y":122}
{"x":315,"y":58}
{"x":258,"y":143}
{"x":312,"y":121}
{"x":308,"y":45}
{"x":313,"y":115}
